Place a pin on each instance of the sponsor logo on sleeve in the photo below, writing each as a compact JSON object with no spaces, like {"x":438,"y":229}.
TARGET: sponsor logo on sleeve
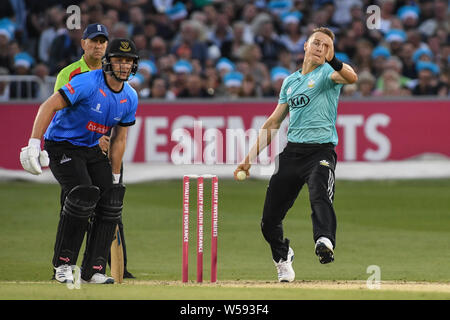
{"x":70,"y":88}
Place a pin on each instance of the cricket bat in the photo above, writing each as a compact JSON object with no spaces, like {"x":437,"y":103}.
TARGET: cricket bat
{"x":117,"y":257}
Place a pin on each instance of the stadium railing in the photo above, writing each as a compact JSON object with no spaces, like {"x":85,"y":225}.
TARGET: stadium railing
{"x":28,"y":87}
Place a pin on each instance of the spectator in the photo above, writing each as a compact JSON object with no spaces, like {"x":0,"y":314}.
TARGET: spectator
{"x":189,"y":37}
{"x":213,"y":82}
{"x":342,"y":15}
{"x":444,"y":84}
{"x":428,"y":81}
{"x":395,"y":64}
{"x":422,"y":54}
{"x":120,"y":30}
{"x":252,"y":55}
{"x":137,"y":20}
{"x":224,"y":66}
{"x":233,"y":84}
{"x":249,"y":89}
{"x":232,"y":48}
{"x":112,"y":18}
{"x":392,"y":87}
{"x":277,"y":76}
{"x":159,"y":89}
{"x":221,"y":32}
{"x":140,"y":39}
{"x":395,"y":39}
{"x":249,"y":12}
{"x":137,"y":82}
{"x":409,"y":15}
{"x":42,"y":72}
{"x":268,"y":42}
{"x":366,"y":84}
{"x":158,"y":48}
{"x":168,"y":31}
{"x":4,"y":85}
{"x":416,"y":39}
{"x":194,"y":88}
{"x":387,"y":8}
{"x":438,"y":20}
{"x":5,"y":58}
{"x":94,"y":11}
{"x":182,"y":70}
{"x":347,"y":43}
{"x":64,"y":50}
{"x":406,"y":56}
{"x":379,"y":57}
{"x":55,"y":26}
{"x":286,"y":59}
{"x":20,"y":89}
{"x":293,"y":39}
{"x":350,"y":90}
{"x":211,"y":15}
{"x":363,"y":54}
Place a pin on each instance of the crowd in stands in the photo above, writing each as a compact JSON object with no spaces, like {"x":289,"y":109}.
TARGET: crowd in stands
{"x":237,"y":48}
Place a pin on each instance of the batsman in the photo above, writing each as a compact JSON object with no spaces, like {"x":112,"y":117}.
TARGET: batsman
{"x":94,"y":42}
{"x":71,"y":121}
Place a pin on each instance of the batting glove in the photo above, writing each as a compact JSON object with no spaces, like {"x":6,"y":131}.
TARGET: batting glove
{"x":33,"y":158}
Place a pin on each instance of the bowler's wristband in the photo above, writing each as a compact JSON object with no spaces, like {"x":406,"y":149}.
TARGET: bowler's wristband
{"x":336,"y":64}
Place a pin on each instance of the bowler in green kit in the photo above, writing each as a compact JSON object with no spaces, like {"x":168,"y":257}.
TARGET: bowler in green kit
{"x":310,"y":97}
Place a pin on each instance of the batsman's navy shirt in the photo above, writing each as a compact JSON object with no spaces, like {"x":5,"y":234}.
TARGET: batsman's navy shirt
{"x":93,"y":109}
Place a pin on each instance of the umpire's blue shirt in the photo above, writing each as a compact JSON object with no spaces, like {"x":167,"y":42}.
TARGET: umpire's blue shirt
{"x":93,"y":109}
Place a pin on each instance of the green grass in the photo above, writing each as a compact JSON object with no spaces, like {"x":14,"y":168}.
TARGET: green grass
{"x":400,"y":226}
{"x":172,"y":292}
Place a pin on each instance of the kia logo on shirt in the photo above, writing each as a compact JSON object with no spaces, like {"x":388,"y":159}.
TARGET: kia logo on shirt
{"x":298,"y":101}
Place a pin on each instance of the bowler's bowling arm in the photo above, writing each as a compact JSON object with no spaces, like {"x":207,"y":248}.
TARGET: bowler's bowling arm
{"x":345,"y":76}
{"x":45,"y":114}
{"x":267,"y":132}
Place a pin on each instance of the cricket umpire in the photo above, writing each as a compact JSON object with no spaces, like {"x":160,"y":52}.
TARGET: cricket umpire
{"x":94,"y":42}
{"x":310,"y":96}
{"x":71,"y":121}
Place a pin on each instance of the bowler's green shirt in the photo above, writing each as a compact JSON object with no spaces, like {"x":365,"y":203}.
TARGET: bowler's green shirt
{"x":313,"y":100}
{"x":66,"y":74}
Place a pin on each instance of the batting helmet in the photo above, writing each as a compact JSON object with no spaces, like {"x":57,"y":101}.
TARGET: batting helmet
{"x":120,"y":47}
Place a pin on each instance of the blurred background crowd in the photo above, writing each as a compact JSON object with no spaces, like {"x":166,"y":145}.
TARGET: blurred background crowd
{"x":237,"y":48}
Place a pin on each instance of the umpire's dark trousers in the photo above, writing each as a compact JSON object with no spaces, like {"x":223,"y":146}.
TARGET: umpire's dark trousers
{"x":300,"y":163}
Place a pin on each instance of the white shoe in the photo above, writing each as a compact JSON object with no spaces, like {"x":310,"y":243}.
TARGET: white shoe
{"x":64,"y":274}
{"x":284,"y":268}
{"x":324,"y":250}
{"x":99,"y":278}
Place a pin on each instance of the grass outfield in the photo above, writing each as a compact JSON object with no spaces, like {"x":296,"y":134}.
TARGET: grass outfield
{"x":400,"y":226}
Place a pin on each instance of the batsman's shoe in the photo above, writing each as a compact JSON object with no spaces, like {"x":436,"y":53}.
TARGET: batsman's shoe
{"x":64,"y":274}
{"x":99,"y":278}
{"x":284,"y":268}
{"x":324,"y":250}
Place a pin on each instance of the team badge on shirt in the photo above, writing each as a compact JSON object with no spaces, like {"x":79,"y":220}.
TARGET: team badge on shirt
{"x":311,"y":83}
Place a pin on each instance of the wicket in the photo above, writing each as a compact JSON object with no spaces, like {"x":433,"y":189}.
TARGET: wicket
{"x":214,"y":225}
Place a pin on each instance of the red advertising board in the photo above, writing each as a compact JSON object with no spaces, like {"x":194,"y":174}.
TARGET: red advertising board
{"x":221,"y":132}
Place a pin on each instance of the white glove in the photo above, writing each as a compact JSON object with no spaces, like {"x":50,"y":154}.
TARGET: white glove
{"x":33,"y":158}
{"x":116,"y":178}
